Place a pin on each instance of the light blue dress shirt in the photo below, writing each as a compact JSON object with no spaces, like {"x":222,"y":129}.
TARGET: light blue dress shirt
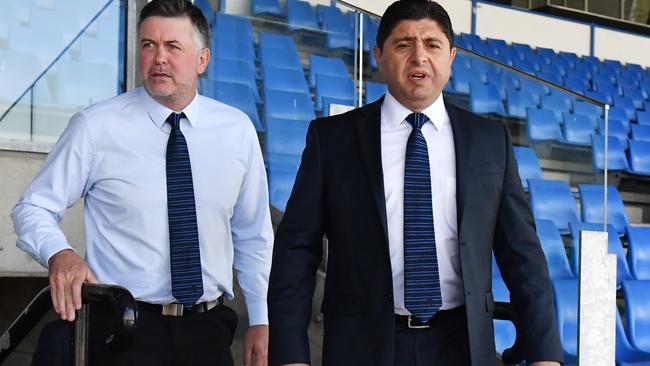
{"x":113,"y":155}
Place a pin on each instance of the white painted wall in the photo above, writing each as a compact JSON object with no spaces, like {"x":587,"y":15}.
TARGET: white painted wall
{"x":536,"y":30}
{"x":625,"y":47}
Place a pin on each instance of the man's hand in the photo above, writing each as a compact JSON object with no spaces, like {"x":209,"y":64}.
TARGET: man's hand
{"x":545,"y":363}
{"x":256,"y":345}
{"x":67,"y":273}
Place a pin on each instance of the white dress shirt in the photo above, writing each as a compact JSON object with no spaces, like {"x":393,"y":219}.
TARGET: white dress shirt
{"x":113,"y":155}
{"x":395,"y":131}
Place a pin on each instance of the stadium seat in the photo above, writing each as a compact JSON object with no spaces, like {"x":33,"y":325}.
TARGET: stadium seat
{"x":504,"y":330}
{"x":525,"y":66}
{"x":327,"y":66}
{"x":104,"y":83}
{"x":280,"y":186}
{"x":278,"y":41}
{"x":485,"y":99}
{"x":234,"y":71}
{"x":643,"y":118}
{"x":553,"y":247}
{"x":626,"y":354}
{"x":591,"y":206}
{"x":280,"y":59}
{"x":639,"y":252}
{"x":577,"y":129}
{"x":639,"y":152}
{"x":566,"y":308}
{"x":233,"y":27}
{"x":374,"y":91}
{"x":284,"y":137}
{"x":570,"y":57}
{"x":557,"y":103}
{"x":235,"y":95}
{"x":300,"y":16}
{"x":635,"y":95}
{"x":600,"y":96}
{"x":333,"y":87}
{"x":543,"y":125}
{"x":528,"y":164}
{"x":553,"y":200}
{"x":616,"y":128}
{"x":627,"y":105}
{"x":637,"y":300}
{"x":538,"y":89}
{"x":337,"y":26}
{"x":614,"y":246}
{"x":288,"y":105}
{"x":552,"y":77}
{"x":575,"y":84}
{"x":285,"y":80}
{"x":517,"y":102}
{"x":617,"y":161}
{"x":483,"y":69}
{"x":266,"y":7}
{"x":602,"y":80}
{"x":592,"y":111}
{"x":639,"y":132}
{"x":329,"y":101}
{"x":225,"y":49}
{"x":521,"y":51}
{"x":462,"y":79}
{"x":620,"y":114}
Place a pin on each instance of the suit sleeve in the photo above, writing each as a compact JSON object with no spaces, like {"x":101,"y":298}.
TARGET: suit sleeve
{"x":296,"y":255}
{"x":524,"y":269}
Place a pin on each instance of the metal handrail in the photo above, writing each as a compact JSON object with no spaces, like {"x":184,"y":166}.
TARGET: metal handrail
{"x":56,"y":59}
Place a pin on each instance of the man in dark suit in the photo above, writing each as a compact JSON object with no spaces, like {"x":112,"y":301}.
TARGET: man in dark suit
{"x":413,"y":195}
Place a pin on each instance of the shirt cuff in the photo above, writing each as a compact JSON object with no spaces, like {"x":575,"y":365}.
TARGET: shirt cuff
{"x":49,"y":250}
{"x":257,"y":313}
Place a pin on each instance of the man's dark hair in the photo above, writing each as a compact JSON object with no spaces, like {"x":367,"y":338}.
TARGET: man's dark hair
{"x":178,"y":9}
{"x":413,"y":10}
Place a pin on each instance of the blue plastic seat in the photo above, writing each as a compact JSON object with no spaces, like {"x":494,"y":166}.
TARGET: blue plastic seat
{"x":374,"y":91}
{"x":543,"y":125}
{"x":547,"y":54}
{"x":333,"y":87}
{"x":614,"y":246}
{"x":483,"y":69}
{"x":337,"y":26}
{"x":485,"y":99}
{"x":280,"y":186}
{"x":637,"y":301}
{"x":643,"y":118}
{"x":504,"y":330}
{"x":591,"y":207}
{"x":553,"y":247}
{"x":234,"y":71}
{"x":575,"y":84}
{"x":235,"y":95}
{"x":462,"y":79}
{"x":566,"y":308}
{"x":602,"y":79}
{"x":640,"y":132}
{"x":639,"y":252}
{"x":528,"y":164}
{"x":285,"y":80}
{"x":517,"y":102}
{"x":533,"y":86}
{"x":571,"y":57}
{"x":553,"y":200}
{"x":329,"y":102}
{"x":626,"y":354}
{"x":600,"y":96}
{"x":627,"y":105}
{"x":525,"y":66}
{"x":553,"y":77}
{"x":279,"y":59}
{"x":577,"y":129}
{"x":616,"y":128}
{"x":521,"y":51}
{"x":639,"y":157}
{"x":266,"y":7}
{"x":288,"y":105}
{"x":635,"y":95}
{"x":225,"y":49}
{"x":284,"y":137}
{"x":279,"y":41}
{"x":327,"y":66}
{"x":300,"y":16}
{"x":587,"y":109}
{"x":232,"y":27}
{"x":617,"y":161}
{"x":558,"y":103}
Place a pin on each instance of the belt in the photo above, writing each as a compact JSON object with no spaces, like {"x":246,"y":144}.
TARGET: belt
{"x":177,"y":309}
{"x":407,"y":321}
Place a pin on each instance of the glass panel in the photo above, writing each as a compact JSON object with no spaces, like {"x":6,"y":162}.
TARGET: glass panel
{"x":68,"y":67}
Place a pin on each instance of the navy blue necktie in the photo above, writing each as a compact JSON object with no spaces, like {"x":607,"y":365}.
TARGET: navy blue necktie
{"x":187,"y":282}
{"x":421,"y":279}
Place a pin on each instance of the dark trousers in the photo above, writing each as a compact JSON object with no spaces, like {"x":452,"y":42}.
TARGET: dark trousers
{"x":445,"y":343}
{"x":195,"y":339}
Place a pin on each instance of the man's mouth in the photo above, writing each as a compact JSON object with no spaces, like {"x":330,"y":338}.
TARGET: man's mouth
{"x":418,"y":76}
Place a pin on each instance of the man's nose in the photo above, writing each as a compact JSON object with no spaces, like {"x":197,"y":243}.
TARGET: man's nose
{"x":161,"y":55}
{"x":419,"y":54}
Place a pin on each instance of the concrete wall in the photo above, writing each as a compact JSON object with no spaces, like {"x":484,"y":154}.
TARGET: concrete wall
{"x":17,"y":169}
{"x":625,"y":47}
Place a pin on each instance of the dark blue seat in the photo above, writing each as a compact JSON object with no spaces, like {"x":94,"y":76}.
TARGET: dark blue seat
{"x":555,"y":78}
{"x":374,"y":91}
{"x":327,"y":66}
{"x":278,"y":41}
{"x":517,"y":102}
{"x":483,"y":69}
{"x":266,"y":7}
{"x":626,"y":354}
{"x":614,"y":246}
{"x":462,"y":79}
{"x":533,"y":86}
{"x":643,"y":117}
{"x":587,"y":109}
{"x":617,"y":161}
{"x":333,"y":87}
{"x":235,"y":95}
{"x":288,"y":105}
{"x":547,"y":54}
{"x":553,"y":200}
{"x":571,"y":57}
{"x":233,"y":71}
{"x":280,"y":186}
{"x":485,"y":99}
{"x":639,"y":132}
{"x":638,"y":254}
{"x":285,"y":80}
{"x":543,"y":125}
{"x":639,"y":157}
{"x":558,"y":103}
{"x":637,"y":301}
{"x":575,"y":84}
{"x":528,"y":164}
{"x":635,"y":95}
{"x":504,"y":330}
{"x":553,"y":247}
{"x":521,"y":51}
{"x":284,"y":138}
{"x":231,"y":50}
{"x":616,"y":128}
{"x":627,"y":105}
{"x":337,"y":26}
{"x":233,"y":27}
{"x":525,"y":66}
{"x":279,"y":59}
{"x":600,"y":96}
{"x":206,"y":9}
{"x":635,"y":69}
{"x":620,"y":114}
{"x":602,"y":79}
{"x":577,"y":129}
{"x":300,"y":16}
{"x":370,"y":27}
{"x":591,"y":206}
{"x":566,"y":308}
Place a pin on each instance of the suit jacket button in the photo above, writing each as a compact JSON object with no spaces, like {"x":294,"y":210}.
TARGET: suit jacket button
{"x":388,"y":297}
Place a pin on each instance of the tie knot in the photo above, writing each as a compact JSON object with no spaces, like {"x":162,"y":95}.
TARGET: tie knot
{"x":174,"y":119}
{"x":417,"y":119}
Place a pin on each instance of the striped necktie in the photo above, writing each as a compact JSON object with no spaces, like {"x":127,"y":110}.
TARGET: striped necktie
{"x":421,"y":280}
{"x":187,"y":282}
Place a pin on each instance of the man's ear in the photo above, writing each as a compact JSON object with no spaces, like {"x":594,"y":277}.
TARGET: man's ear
{"x":377,"y":53}
{"x":204,"y":59}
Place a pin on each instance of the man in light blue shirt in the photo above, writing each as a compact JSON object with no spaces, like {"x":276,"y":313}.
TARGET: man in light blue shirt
{"x":113,"y":154}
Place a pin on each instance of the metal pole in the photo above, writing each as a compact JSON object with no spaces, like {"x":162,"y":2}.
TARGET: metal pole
{"x":81,"y":336}
{"x":360,"y":100}
{"x":131,"y":49}
{"x":606,"y":165}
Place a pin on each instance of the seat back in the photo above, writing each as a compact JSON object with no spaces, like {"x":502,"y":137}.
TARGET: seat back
{"x":639,"y":252}
{"x":637,"y":301}
{"x":528,"y":164}
{"x":553,"y":200}
{"x":592,"y":206}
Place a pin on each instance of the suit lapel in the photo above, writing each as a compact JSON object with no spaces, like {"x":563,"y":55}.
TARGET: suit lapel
{"x":369,"y":134}
{"x":462,"y":136}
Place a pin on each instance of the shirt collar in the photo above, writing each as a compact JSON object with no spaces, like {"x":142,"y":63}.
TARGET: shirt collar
{"x":159,"y":113}
{"x":393,"y":113}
